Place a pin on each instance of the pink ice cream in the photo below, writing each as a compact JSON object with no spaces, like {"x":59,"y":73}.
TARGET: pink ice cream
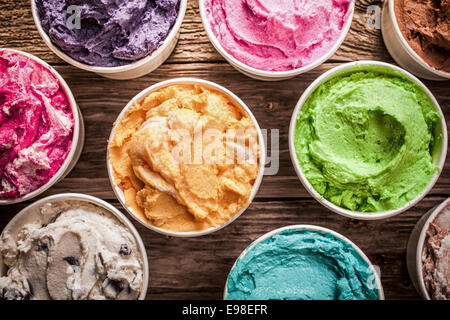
{"x":36,"y":125}
{"x":278,"y":35}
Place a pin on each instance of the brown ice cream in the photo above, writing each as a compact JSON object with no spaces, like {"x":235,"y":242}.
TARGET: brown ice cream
{"x":425,"y":24}
{"x":436,"y":256}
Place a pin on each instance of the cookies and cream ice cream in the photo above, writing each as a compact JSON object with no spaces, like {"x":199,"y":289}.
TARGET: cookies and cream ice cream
{"x":302,"y":265}
{"x":425,"y":24}
{"x":108,"y":33}
{"x":364,"y":139}
{"x":36,"y":125}
{"x":436,"y":256}
{"x":70,"y":250}
{"x":277,"y":35}
{"x":185,"y":157}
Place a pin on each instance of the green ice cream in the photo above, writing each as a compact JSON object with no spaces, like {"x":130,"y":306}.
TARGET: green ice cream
{"x":302,"y":265}
{"x":364,"y":139}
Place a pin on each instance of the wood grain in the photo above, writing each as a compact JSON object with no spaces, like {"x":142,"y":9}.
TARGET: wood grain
{"x":197,"y":268}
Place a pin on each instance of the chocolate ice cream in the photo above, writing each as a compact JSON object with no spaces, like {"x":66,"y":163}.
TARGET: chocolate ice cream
{"x":436,"y":256}
{"x":425,"y":24}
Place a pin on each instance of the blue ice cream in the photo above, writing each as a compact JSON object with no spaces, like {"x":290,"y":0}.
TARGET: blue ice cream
{"x":302,"y":265}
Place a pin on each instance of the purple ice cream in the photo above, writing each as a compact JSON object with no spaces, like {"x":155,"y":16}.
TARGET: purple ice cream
{"x":111,"y":32}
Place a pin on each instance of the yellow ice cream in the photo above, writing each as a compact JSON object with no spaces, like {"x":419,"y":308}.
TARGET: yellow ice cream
{"x":186,"y":157}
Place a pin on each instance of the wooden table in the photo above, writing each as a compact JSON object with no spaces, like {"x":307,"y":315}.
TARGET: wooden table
{"x":197,"y":268}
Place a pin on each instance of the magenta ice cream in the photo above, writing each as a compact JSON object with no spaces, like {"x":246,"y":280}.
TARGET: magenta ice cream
{"x":36,"y":125}
{"x":278,"y":35}
{"x":107,"y":33}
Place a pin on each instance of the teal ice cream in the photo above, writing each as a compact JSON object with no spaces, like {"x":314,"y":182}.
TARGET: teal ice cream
{"x":302,"y":265}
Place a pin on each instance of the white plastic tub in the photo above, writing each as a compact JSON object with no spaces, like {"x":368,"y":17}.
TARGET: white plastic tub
{"x":28,"y":215}
{"x":439,"y":154}
{"x":77,"y":141}
{"x":316,"y":229}
{"x":271,"y":75}
{"x":400,"y":50}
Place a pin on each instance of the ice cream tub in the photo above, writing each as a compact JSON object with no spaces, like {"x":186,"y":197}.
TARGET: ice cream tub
{"x":134,"y":62}
{"x":174,"y":195}
{"x":63,"y":120}
{"x":283,"y":264}
{"x":256,"y":50}
{"x":429,"y":280}
{"x":401,"y":50}
{"x":56,"y":230}
{"x":352,"y":144}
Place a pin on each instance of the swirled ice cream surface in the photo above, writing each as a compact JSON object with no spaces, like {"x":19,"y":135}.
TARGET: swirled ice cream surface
{"x":277,"y":35}
{"x":108,"y":33}
{"x":299,"y":264}
{"x":36,"y":125}
{"x":70,"y":250}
